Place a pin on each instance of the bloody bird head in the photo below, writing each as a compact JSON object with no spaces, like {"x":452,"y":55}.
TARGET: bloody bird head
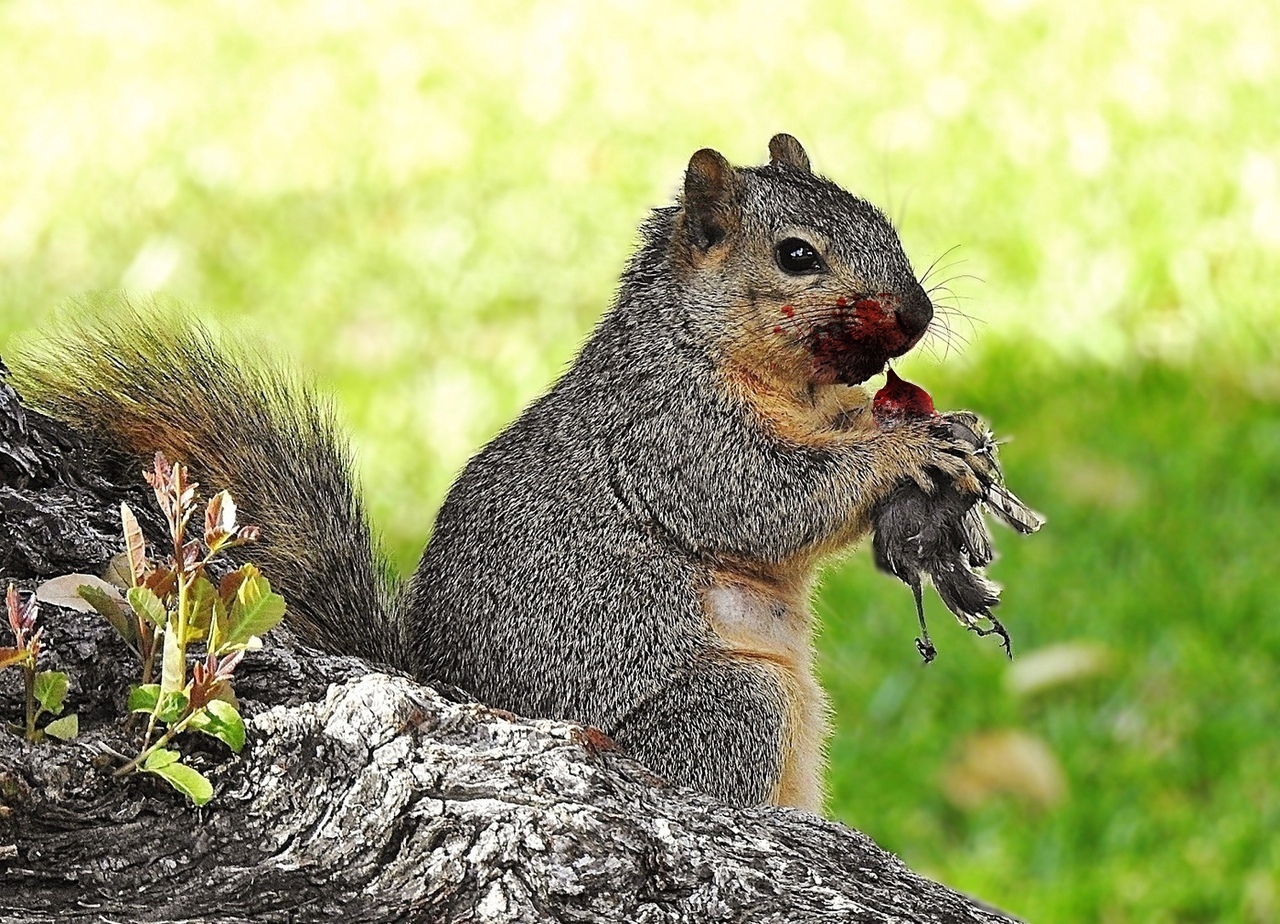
{"x":900,"y":400}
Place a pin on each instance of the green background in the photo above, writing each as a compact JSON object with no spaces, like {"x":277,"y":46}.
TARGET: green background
{"x":426,"y":206}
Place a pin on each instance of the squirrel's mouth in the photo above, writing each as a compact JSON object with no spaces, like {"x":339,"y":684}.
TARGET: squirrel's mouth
{"x":856,"y":340}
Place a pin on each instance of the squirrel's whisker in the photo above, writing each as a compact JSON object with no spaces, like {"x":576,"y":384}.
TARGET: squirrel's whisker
{"x":932,"y":266}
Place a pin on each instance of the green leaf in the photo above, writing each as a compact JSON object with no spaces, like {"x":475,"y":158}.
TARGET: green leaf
{"x":143,"y":698}
{"x":228,"y":716}
{"x":255,"y":611}
{"x":64,"y":729}
{"x":173,"y":705}
{"x":202,"y":597}
{"x":50,"y":690}
{"x":227,"y":713}
{"x":222,"y":721}
{"x":186,"y":780}
{"x":160,"y":758}
{"x":217,"y":625}
{"x":173,"y":674}
{"x":110,"y":607}
{"x":13,"y":656}
{"x":147,"y":605}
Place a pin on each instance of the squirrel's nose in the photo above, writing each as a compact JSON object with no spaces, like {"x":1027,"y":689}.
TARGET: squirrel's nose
{"x":915,"y":311}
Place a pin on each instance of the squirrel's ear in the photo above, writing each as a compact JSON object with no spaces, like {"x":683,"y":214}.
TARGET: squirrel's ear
{"x":710,"y":193}
{"x":785,"y":150}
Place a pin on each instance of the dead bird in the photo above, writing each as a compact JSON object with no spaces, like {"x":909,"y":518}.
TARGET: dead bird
{"x":940,"y":533}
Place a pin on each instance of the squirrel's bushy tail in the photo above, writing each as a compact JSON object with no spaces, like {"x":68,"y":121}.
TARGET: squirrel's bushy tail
{"x":144,"y":381}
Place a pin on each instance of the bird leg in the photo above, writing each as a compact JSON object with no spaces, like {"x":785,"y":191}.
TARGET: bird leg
{"x":924,"y":644}
{"x":997,"y":628}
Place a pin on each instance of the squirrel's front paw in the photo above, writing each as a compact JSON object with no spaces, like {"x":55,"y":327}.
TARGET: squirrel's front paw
{"x":941,"y":444}
{"x":948,"y":451}
{"x":954,"y":448}
{"x":965,"y":450}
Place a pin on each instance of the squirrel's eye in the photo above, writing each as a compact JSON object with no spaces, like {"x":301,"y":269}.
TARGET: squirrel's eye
{"x":797,"y":256}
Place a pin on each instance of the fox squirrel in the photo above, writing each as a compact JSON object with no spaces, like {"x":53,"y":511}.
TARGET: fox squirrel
{"x":636,"y":551}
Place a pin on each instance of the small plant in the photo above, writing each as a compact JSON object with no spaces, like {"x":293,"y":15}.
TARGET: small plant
{"x":43,"y":691}
{"x":173,"y":604}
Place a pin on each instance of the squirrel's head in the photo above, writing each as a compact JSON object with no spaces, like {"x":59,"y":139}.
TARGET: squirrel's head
{"x":787,"y":265}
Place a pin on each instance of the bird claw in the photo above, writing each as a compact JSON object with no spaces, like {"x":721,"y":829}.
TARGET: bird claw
{"x":996,"y":628}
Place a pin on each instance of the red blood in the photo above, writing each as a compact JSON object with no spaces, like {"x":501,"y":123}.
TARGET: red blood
{"x":900,"y":400}
{"x":853,"y":339}
{"x":852,"y":346}
{"x":777,"y":330}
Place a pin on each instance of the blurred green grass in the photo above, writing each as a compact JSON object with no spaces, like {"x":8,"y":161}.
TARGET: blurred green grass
{"x":427,"y":206}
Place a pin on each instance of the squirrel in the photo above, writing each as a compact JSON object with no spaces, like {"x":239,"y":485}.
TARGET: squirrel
{"x":636,"y":552}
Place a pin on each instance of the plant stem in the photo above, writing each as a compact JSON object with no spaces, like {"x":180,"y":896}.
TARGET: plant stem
{"x":184,"y":587}
{"x":134,"y":764}
{"x":29,"y":684}
{"x":151,"y":728}
{"x":170,"y":733}
{"x":148,"y":672}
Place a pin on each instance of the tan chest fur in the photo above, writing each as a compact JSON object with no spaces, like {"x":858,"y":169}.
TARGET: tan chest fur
{"x":794,"y":410}
{"x":765,"y":620}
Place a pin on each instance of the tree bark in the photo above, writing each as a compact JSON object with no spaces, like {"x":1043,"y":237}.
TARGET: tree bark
{"x":364,"y":796}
